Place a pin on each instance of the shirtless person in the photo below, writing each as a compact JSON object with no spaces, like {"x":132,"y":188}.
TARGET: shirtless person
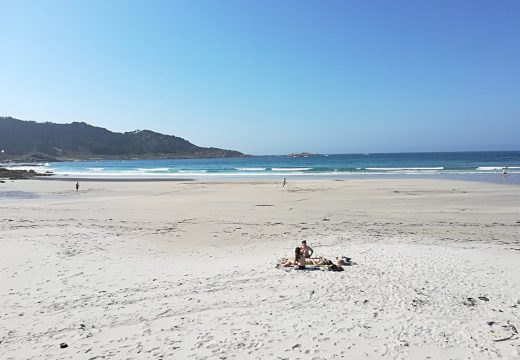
{"x":306,"y":250}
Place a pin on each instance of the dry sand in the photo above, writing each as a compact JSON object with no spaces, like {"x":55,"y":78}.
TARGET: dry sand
{"x":154,"y":270}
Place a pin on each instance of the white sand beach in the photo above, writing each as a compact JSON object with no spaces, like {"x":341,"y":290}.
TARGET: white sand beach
{"x":186,"y":270}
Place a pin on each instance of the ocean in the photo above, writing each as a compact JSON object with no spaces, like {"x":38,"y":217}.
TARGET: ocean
{"x":487,"y":166}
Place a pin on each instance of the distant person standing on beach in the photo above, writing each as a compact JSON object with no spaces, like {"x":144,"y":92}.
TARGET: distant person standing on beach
{"x":284,"y":182}
{"x":77,"y":186}
{"x":504,"y":171}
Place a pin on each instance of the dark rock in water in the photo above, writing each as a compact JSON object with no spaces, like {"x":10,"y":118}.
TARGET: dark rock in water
{"x":303,"y":155}
{"x":19,"y":174}
{"x":64,"y":345}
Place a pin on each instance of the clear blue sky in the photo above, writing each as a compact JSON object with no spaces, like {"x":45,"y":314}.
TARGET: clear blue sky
{"x":268,"y":77}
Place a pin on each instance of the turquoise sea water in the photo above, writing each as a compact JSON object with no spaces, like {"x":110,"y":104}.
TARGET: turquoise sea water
{"x":471,"y":165}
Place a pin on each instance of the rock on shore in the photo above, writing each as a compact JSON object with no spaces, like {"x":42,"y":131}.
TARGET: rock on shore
{"x":19,"y":174}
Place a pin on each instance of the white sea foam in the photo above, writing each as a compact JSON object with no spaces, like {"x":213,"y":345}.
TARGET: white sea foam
{"x":495,"y":168}
{"x":290,"y":169}
{"x":153,"y":169}
{"x":37,"y":168}
{"x":490,"y":168}
{"x":96,"y":169}
{"x":111,"y":174}
{"x":253,"y":174}
{"x":405,"y":168}
{"x":251,"y":169}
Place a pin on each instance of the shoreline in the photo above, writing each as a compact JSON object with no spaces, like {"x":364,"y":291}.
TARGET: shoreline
{"x":510,"y":179}
{"x":112,"y":179}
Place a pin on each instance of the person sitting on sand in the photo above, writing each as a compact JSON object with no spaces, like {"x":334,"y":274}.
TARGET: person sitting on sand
{"x":299,"y":259}
{"x":306,"y":250}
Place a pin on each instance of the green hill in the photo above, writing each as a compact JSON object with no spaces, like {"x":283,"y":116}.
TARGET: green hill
{"x":79,"y":140}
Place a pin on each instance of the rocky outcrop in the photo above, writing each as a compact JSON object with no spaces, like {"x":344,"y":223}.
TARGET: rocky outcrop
{"x":19,"y":174}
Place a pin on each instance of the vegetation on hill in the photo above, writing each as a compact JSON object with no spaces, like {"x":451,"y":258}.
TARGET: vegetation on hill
{"x":79,"y":140}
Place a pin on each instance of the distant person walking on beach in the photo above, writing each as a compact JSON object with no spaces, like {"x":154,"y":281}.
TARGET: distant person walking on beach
{"x":306,"y":250}
{"x":284,"y":182}
{"x":504,"y":171}
{"x":77,"y":186}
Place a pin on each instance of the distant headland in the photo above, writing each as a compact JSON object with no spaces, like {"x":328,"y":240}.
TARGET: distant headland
{"x":30,"y":141}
